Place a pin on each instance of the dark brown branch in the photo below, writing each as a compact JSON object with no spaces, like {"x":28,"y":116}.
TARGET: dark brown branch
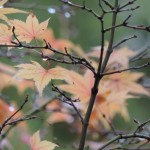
{"x":126,"y":136}
{"x":73,"y":59}
{"x":94,"y":90}
{"x":139,"y":27}
{"x":16,"y":121}
{"x":141,"y":53}
{"x":127,"y":4}
{"x":119,"y":25}
{"x":129,"y":9}
{"x":82,"y":7}
{"x":123,"y":41}
{"x":69,"y":101}
{"x":108,"y":4}
{"x":123,"y":70}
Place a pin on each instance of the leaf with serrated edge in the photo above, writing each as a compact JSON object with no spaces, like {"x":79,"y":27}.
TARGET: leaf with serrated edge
{"x":36,"y":144}
{"x":29,"y":30}
{"x":40,"y":75}
{"x":4,"y":11}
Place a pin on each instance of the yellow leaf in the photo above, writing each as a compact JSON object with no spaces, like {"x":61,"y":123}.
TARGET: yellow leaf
{"x":37,"y":144}
{"x":126,"y":81}
{"x":119,"y":57}
{"x":40,"y":75}
{"x":79,"y":85}
{"x":6,"y":75}
{"x":4,"y":11}
{"x":29,"y":30}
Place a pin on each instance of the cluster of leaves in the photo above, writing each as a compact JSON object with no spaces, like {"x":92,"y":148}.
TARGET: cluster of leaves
{"x":114,"y":89}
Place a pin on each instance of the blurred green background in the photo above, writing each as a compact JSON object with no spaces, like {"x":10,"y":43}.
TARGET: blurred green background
{"x":83,"y":29}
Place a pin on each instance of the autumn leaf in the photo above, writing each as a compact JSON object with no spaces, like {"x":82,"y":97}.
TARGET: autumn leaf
{"x":37,"y":144}
{"x":6,"y":75}
{"x":126,"y":81}
{"x":79,"y":85}
{"x":114,"y":90}
{"x":118,"y":59}
{"x":4,"y":11}
{"x":105,"y":111}
{"x":40,"y":75}
{"x":29,"y":30}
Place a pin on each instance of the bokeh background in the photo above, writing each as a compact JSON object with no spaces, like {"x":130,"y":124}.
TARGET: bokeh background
{"x":82,"y":29}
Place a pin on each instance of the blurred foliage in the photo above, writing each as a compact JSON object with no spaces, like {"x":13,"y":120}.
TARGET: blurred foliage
{"x":84,"y":30}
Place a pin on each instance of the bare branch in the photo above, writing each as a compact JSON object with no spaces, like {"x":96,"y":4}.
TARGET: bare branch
{"x":69,"y":101}
{"x":127,"y":4}
{"x":126,"y":136}
{"x":8,"y":119}
{"x":124,"y":40}
{"x":82,"y":7}
{"x":123,"y":70}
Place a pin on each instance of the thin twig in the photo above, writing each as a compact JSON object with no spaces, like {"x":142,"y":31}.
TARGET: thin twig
{"x":82,"y":7}
{"x":9,"y":118}
{"x":125,"y":136}
{"x":127,"y":69}
{"x":69,"y":101}
{"x":124,"y":40}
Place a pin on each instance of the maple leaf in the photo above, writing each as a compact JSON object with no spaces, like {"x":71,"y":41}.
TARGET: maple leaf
{"x":40,"y":75}
{"x":4,"y":11}
{"x":37,"y":144}
{"x":6,"y":75}
{"x":126,"y":81}
{"x":79,"y":85}
{"x":29,"y":30}
{"x":104,"y":111}
{"x":119,"y":57}
{"x":111,"y":98}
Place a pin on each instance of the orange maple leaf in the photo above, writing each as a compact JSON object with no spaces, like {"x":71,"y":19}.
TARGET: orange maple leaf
{"x":40,"y":75}
{"x":110,"y":100}
{"x":37,"y":144}
{"x":104,"y":111}
{"x":29,"y":30}
{"x":79,"y":85}
{"x":126,"y":81}
{"x":119,"y":57}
